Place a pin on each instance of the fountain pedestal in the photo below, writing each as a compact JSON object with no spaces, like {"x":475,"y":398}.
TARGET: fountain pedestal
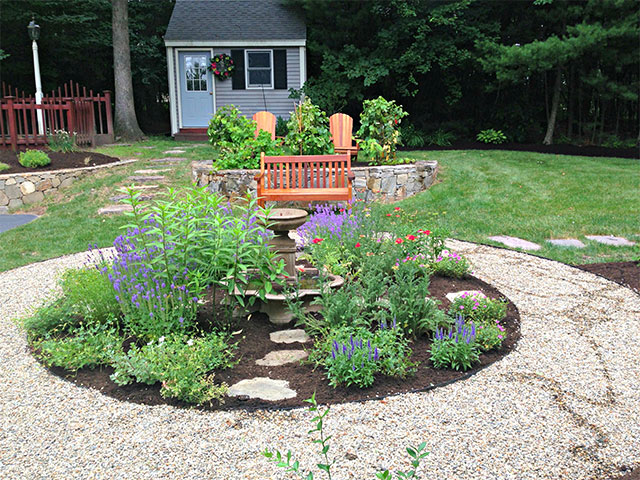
{"x":281,"y":221}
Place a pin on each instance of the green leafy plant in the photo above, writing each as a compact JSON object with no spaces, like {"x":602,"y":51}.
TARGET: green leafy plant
{"x":181,"y":363}
{"x":89,"y":346}
{"x":234,"y":135}
{"x":285,"y":460}
{"x":440,"y":138}
{"x":450,"y":264}
{"x":491,"y":136}
{"x":34,"y":159}
{"x":308,"y":130}
{"x":379,"y":130}
{"x":478,"y":308}
{"x":90,"y":294}
{"x":490,"y":336}
{"x":52,"y":319}
{"x":456,"y":348}
{"x":281,"y":127}
{"x":61,"y":141}
{"x":4,"y":166}
{"x":412,"y":137}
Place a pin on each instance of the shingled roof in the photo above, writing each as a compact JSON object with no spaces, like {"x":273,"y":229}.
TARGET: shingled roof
{"x":229,"y":20}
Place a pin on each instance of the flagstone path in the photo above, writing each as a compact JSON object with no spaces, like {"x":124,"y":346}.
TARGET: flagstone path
{"x":563,"y":405}
{"x":515,"y":242}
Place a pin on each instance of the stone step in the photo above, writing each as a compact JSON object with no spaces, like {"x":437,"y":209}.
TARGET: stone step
{"x":115,"y":209}
{"x":281,"y":357}
{"x":566,"y":242}
{"x":146,"y":178}
{"x":515,"y":242}
{"x":611,"y":240}
{"x":177,"y":150}
{"x":143,"y":197}
{"x":152,"y":171}
{"x":263,"y":388}
{"x":145,"y":187}
{"x":169,"y":160}
{"x":296,"y":335}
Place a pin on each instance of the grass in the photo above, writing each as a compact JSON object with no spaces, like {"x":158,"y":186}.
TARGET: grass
{"x":477,"y":194}
{"x":535,"y":197}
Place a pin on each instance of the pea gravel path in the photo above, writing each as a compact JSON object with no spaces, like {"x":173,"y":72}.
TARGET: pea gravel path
{"x":564,"y":405}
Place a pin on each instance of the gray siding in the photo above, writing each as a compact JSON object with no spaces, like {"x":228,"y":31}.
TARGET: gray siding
{"x":252,"y":101}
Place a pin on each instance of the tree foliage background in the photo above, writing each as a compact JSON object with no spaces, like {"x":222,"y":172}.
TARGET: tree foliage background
{"x":457,"y":66}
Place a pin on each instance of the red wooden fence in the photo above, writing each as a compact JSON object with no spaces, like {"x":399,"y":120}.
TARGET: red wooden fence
{"x":70,"y":108}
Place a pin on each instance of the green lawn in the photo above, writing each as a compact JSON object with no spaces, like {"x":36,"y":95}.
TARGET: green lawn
{"x":536,"y":197}
{"x":477,"y":194}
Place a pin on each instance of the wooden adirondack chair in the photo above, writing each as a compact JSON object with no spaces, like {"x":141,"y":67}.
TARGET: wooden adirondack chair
{"x":266,"y":121}
{"x":341,"y":126}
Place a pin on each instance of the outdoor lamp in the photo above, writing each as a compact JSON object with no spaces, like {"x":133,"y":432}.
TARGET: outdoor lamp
{"x":34,"y":29}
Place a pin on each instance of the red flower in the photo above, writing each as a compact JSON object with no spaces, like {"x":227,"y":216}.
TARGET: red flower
{"x":388,"y":214}
{"x":358,"y":245}
{"x":426,"y":232}
{"x":216,"y":72}
{"x":411,"y":237}
{"x":399,"y":241}
{"x":398,"y":216}
{"x":396,"y":121}
{"x":317,"y":240}
{"x":397,"y":209}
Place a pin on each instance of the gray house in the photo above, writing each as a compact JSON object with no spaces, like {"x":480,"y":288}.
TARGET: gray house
{"x":265,"y":39}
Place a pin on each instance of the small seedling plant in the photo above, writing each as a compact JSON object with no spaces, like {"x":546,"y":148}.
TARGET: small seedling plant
{"x":285,"y":460}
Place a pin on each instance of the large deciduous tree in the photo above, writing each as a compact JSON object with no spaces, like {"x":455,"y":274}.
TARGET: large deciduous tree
{"x":126,"y":123}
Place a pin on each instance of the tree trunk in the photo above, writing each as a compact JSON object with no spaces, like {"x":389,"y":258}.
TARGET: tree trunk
{"x":570,"y":103}
{"x":126,"y":124}
{"x":548,"y":138}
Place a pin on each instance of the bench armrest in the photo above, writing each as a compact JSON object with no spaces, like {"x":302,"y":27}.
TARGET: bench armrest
{"x":259,"y":176}
{"x":351,"y":176}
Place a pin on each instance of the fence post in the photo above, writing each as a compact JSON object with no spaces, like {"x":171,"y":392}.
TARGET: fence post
{"x":13,"y":131}
{"x":71,"y":115}
{"x":107,"y":106}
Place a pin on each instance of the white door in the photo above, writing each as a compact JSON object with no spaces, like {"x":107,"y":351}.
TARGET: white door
{"x":196,"y":89}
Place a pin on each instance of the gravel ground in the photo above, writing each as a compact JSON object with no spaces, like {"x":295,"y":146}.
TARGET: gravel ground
{"x":564,"y":405}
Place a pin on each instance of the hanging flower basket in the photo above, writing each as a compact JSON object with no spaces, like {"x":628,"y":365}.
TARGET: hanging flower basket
{"x":222,"y":66}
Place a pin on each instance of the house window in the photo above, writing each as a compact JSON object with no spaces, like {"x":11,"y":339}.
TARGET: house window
{"x":259,"y":68}
{"x":195,"y":70}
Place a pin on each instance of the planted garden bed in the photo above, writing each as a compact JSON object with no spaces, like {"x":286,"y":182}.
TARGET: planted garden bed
{"x":59,"y":161}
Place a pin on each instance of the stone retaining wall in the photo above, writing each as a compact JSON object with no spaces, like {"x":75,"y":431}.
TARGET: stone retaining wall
{"x":18,"y":189}
{"x":387,"y":183}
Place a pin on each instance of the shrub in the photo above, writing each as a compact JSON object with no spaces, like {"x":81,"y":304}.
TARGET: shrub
{"x":456,"y":348}
{"x":491,"y":136}
{"x":479,"y":309}
{"x":450,"y":264}
{"x":51,"y":319}
{"x":440,"y":138}
{"x":61,"y":141}
{"x":308,"y":130}
{"x":34,"y":159}
{"x":90,"y":294}
{"x":182,"y":364}
{"x":234,"y":135}
{"x":412,"y":137}
{"x":89,"y":346}
{"x":281,"y":127}
{"x":4,"y":166}
{"x":379,"y":122}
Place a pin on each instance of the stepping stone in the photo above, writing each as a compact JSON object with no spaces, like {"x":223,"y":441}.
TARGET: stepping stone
{"x":169,"y":160}
{"x":115,"y":209}
{"x":146,"y":178}
{"x":290,"y":336}
{"x":116,"y":145}
{"x":151,"y":172}
{"x":262,"y":387}
{"x":7,"y":222}
{"x":282,"y":357}
{"x":611,"y":240}
{"x":452,"y":296}
{"x":145,"y":187}
{"x":143,"y":197}
{"x":515,"y":242}
{"x":169,"y":152}
{"x":147,"y":147}
{"x":566,"y":242}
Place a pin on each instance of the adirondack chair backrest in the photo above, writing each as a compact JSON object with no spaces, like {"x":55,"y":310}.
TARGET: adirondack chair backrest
{"x":341,"y":127}
{"x":266,"y":121}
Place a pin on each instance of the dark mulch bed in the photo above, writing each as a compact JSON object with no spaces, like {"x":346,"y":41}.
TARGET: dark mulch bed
{"x":59,"y":161}
{"x":254,"y":344}
{"x":578,"y":150}
{"x":625,"y":273}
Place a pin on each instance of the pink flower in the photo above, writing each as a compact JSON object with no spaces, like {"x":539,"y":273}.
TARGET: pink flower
{"x":317,"y":240}
{"x":397,"y":209}
{"x":357,"y":245}
{"x":399,"y":241}
{"x":411,"y":237}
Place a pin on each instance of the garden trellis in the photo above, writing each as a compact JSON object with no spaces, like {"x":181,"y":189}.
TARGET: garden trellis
{"x":70,"y":107}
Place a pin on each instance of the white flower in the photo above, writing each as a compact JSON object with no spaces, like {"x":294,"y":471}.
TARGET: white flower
{"x":190,"y":342}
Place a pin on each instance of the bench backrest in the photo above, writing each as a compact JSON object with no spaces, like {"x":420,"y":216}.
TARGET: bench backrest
{"x":265,"y":121}
{"x":305,"y":171}
{"x":341,"y":127}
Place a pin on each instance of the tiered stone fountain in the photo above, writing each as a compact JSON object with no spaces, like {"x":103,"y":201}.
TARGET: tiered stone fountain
{"x":281,"y":221}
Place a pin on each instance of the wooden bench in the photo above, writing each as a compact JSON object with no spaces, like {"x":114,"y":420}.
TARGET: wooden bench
{"x":304,"y":177}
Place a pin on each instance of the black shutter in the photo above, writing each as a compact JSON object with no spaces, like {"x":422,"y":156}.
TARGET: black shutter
{"x":237,"y":79}
{"x":280,"y":69}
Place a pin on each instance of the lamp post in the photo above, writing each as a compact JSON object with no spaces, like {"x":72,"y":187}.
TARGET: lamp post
{"x":34,"y":35}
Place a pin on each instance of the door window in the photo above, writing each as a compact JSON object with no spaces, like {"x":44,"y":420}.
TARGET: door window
{"x":195,"y":70}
